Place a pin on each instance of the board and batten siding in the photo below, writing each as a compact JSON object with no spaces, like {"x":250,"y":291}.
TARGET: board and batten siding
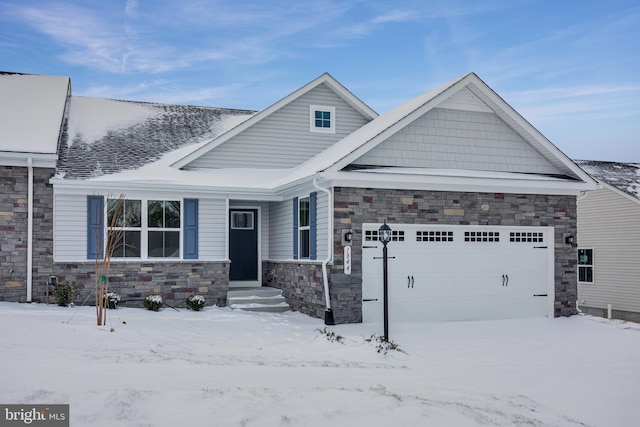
{"x":283,"y":139}
{"x":455,"y":139}
{"x":610,"y":224}
{"x":281,"y":229}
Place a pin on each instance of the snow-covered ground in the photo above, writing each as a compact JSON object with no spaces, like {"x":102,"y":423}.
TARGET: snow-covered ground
{"x":221,"y":367}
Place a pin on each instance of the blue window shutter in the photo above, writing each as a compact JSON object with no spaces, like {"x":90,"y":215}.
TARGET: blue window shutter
{"x":95,"y":226}
{"x":190,"y":237}
{"x":295,"y":228}
{"x":313,"y":226}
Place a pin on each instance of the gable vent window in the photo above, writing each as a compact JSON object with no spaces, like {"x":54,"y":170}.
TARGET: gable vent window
{"x":374,"y":236}
{"x":481,"y":236}
{"x":529,"y":237}
{"x":434,"y":236}
{"x":322,"y":119}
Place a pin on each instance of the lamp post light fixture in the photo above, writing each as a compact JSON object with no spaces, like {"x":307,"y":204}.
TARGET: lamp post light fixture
{"x":384,"y":235}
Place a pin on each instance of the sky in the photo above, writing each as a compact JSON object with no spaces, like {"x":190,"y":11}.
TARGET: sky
{"x":571,"y":71}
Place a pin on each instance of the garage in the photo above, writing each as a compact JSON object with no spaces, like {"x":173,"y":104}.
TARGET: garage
{"x":458,"y":272}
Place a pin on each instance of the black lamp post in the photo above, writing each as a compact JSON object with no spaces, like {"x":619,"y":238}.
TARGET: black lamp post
{"x":385,"y":237}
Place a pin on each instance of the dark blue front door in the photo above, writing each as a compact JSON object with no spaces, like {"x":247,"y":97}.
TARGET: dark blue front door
{"x":243,"y":244}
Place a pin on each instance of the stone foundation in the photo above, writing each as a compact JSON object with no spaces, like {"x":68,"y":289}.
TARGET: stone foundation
{"x":133,"y":281}
{"x":302,"y":282}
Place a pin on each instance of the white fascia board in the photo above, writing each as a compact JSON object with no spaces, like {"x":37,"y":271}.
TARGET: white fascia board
{"x":457,"y":183}
{"x":374,"y":133}
{"x":261,"y":115}
{"x":150,"y":190}
{"x":502,"y":109}
{"x":39,"y":160}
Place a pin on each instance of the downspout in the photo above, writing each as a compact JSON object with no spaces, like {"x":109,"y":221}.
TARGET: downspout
{"x":328,"y":313}
{"x":29,"y":229}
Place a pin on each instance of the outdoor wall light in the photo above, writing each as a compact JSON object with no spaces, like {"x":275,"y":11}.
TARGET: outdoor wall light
{"x":570,"y":240}
{"x":348,"y":236}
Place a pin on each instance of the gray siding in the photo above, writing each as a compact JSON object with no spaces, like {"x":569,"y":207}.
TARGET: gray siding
{"x":283,"y":139}
{"x":70,"y":230}
{"x":212,"y":229}
{"x":281,"y":229}
{"x":449,"y":139}
{"x":610,"y":224}
{"x":69,"y":227}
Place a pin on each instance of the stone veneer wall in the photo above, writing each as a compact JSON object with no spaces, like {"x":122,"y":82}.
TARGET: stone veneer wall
{"x":13,"y":231}
{"x":300,"y":282}
{"x":355,"y":206}
{"x":173,"y":280}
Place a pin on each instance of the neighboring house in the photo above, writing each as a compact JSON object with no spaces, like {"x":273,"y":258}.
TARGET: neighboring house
{"x":609,"y":241}
{"x":32,"y":111}
{"x":479,"y":202}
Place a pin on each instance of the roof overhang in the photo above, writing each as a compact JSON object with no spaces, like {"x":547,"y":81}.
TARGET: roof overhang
{"x":38,"y":160}
{"x":458,"y":181}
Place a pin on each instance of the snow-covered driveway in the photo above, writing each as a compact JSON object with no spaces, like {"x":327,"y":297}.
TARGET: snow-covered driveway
{"x":231,"y":368}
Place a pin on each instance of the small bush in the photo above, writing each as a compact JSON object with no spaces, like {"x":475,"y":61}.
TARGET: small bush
{"x":331,"y":336}
{"x":64,"y":294}
{"x":384,"y":346}
{"x":111,"y":300}
{"x":195,"y":302}
{"x":152,"y":302}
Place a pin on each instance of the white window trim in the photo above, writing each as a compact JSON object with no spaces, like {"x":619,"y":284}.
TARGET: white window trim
{"x":592,"y":266}
{"x":303,"y":228}
{"x":144,"y":232}
{"x":312,"y":119}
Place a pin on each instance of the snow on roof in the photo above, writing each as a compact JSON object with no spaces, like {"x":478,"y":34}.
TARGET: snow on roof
{"x":624,"y":177}
{"x":109,"y":136}
{"x":31,"y":112}
{"x":356,"y":140}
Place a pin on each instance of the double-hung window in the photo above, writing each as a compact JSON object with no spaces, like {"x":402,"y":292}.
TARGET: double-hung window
{"x":145,"y":229}
{"x":304,"y":228}
{"x":124,"y":222}
{"x":585,"y":265}
{"x":163,"y":228}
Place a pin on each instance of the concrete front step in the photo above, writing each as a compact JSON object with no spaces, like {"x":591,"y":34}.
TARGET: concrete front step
{"x":257,"y":299}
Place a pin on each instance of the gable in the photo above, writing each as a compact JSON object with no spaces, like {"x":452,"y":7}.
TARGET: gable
{"x":31,"y":117}
{"x":471,"y":139}
{"x":284,"y":138}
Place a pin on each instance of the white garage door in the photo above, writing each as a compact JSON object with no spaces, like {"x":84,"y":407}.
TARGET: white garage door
{"x":439,"y":272}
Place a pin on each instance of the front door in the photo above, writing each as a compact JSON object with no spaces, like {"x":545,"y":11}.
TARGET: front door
{"x":243,"y":245}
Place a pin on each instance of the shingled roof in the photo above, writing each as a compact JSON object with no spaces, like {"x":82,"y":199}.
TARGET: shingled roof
{"x":103,"y":136}
{"x":624,"y":177}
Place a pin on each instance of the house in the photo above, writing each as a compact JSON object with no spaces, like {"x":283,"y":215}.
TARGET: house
{"x":609,"y":241}
{"x":292,"y":197}
{"x":32,"y":111}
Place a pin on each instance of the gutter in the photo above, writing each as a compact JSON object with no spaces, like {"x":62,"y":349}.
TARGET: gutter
{"x":30,"y":229}
{"x":328,"y":313}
